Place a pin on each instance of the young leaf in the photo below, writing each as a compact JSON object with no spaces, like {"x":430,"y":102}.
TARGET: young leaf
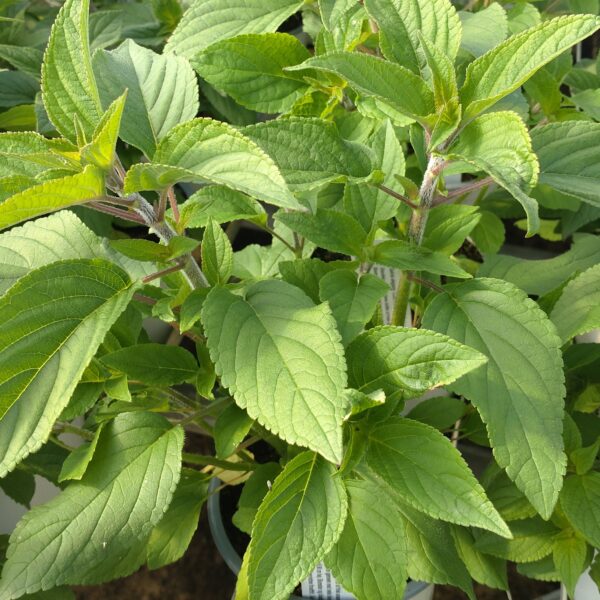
{"x":231,"y":427}
{"x":206,"y":150}
{"x":407,"y":361}
{"x":297,"y":524}
{"x":357,"y":562}
{"x":352,"y":299}
{"x":68,"y":85}
{"x":400,"y":22}
{"x":96,"y":529}
{"x":171,"y":537}
{"x":310,"y":152}
{"x":101,"y":150}
{"x":52,"y":195}
{"x":250,"y":69}
{"x":220,"y":204}
{"x":217,"y":254}
{"x":506,"y":67}
{"x":375,"y":77}
{"x":77,"y":462}
{"x":524,"y":412}
{"x":287,"y":376}
{"x":414,"y":459}
{"x":570,"y":158}
{"x":448,"y":226}
{"x":580,"y":501}
{"x":39,"y":372}
{"x":499,"y":144}
{"x":161,"y":91}
{"x":488,"y":235}
{"x":570,"y":556}
{"x":153,"y":364}
{"x":205,"y":23}
{"x":332,"y":11}
{"x":577,"y":310}
{"x":484,"y":29}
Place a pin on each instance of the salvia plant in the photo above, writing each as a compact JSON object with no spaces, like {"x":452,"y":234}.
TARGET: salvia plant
{"x":382,"y":149}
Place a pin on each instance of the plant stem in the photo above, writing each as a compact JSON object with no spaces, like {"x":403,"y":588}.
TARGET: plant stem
{"x":465,"y":189}
{"x":162,"y":273}
{"x":204,"y":460}
{"x":115,"y":212}
{"x":401,"y":300}
{"x":84,"y":433}
{"x":396,"y":195}
{"x":173,"y":204}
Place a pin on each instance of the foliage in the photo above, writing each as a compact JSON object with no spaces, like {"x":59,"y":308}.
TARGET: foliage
{"x":386,"y":149}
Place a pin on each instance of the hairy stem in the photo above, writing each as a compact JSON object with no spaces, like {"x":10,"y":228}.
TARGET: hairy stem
{"x":401,"y":300}
{"x":465,"y":189}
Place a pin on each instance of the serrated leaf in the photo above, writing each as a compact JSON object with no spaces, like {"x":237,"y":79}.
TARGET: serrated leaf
{"x":39,"y":372}
{"x":68,"y":84}
{"x":217,"y":254}
{"x":96,"y":529}
{"x":368,"y":205}
{"x":400,"y":21}
{"x":448,"y":226}
{"x":206,"y":150}
{"x":407,"y":361}
{"x":171,"y":537}
{"x":403,"y":255}
{"x":220,"y":204}
{"x":264,"y":352}
{"x":329,"y":229}
{"x":541,"y":276}
{"x":484,"y":29}
{"x":332,"y":11}
{"x":499,"y":144}
{"x":51,"y":196}
{"x":352,"y":298}
{"x":57,"y":237}
{"x":250,"y":69}
{"x":580,"y":501}
{"x":570,"y":557}
{"x":297,"y":524}
{"x":101,"y":150}
{"x":77,"y":462}
{"x":153,"y":364}
{"x":374,"y":522}
{"x":378,"y":78}
{"x":569,"y":158}
{"x":161,"y":91}
{"x":519,"y":392}
{"x":205,"y":23}
{"x":414,"y":459}
{"x":577,"y":310}
{"x":310,"y":152}
{"x":507,"y":66}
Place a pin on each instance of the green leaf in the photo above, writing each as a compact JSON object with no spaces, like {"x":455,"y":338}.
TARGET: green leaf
{"x":352,"y":298}
{"x":519,"y":392}
{"x":541,"y":276}
{"x":310,"y":152}
{"x":51,"y":196}
{"x":507,"y":66}
{"x":506,"y":497}
{"x":231,"y":427}
{"x":153,"y":364}
{"x":205,"y":23}
{"x":585,"y":458}
{"x":19,"y":486}
{"x":23,"y":58}
{"x":403,"y":255}
{"x":250,"y":69}
{"x":570,"y":557}
{"x":407,"y":361}
{"x":415,"y":460}
{"x":580,"y":501}
{"x":217,"y":254}
{"x":263,"y":346}
{"x":378,"y":78}
{"x":499,"y":144}
{"x":400,"y":21}
{"x":570,"y":158}
{"x":440,"y":412}
{"x":39,"y":372}
{"x":532,"y":539}
{"x":332,"y":11}
{"x":357,"y":561}
{"x":57,"y":237}
{"x":220,"y":204}
{"x":368,"y":205}
{"x":577,"y":310}
{"x":161,"y":91}
{"x":95,"y":530}
{"x":17,"y":88}
{"x":330,"y":229}
{"x":206,"y":150}
{"x":484,"y":29}
{"x":18,"y":118}
{"x":259,"y":262}
{"x":101,"y":151}
{"x":297,"y":524}
{"x":171,"y":537}
{"x":68,"y":85}
{"x":448,"y":225}
{"x":78,"y":461}
{"x":488,"y":234}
